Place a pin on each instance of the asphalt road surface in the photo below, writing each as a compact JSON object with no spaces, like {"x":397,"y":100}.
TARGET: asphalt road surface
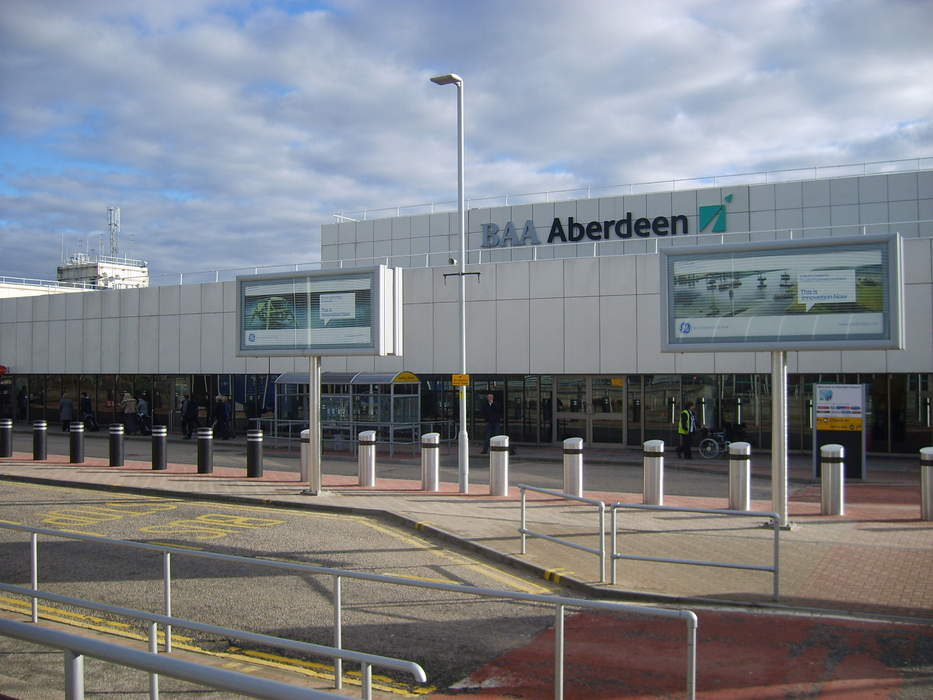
{"x":448,"y":634}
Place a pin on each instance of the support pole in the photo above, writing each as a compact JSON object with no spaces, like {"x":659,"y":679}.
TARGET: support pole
{"x":779,"y":436}
{"x":314,"y":426}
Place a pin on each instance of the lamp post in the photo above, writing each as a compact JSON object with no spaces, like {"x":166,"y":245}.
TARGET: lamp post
{"x":463,"y":443}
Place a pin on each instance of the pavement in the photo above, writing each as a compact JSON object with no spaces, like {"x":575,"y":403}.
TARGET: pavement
{"x":871,"y":568}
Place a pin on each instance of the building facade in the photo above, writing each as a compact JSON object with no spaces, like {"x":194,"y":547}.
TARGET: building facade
{"x":562,"y":319}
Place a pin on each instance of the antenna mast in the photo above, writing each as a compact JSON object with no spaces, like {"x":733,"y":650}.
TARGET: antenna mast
{"x":114,"y":213}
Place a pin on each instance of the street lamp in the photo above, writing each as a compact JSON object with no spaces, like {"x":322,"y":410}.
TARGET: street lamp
{"x":463,"y":442}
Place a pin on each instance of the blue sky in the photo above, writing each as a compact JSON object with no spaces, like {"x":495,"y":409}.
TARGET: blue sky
{"x":229,"y":131}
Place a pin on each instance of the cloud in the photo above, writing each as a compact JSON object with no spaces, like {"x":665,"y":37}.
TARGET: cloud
{"x":227,"y":132}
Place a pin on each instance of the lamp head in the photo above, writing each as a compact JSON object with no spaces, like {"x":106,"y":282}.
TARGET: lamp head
{"x":449,"y":79}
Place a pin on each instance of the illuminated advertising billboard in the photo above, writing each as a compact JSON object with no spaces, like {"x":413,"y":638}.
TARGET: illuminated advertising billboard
{"x":812,"y":294}
{"x":334,"y":312}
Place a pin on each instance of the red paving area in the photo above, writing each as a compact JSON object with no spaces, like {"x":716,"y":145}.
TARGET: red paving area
{"x":738,"y":656}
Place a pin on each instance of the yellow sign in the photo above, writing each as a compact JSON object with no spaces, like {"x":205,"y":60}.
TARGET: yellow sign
{"x":848,"y":423}
{"x":618,"y":381}
{"x":405,"y":378}
{"x":460,"y":379}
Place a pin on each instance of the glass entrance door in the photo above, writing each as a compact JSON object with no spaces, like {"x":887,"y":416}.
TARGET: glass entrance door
{"x":592,"y":408}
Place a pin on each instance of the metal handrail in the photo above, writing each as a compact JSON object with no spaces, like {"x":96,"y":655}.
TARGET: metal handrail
{"x":775,"y":568}
{"x":364,"y":659}
{"x":601,"y":506}
{"x":559,"y":602}
{"x":77,"y":646}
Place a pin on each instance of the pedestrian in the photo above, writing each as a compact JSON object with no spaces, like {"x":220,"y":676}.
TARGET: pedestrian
{"x":66,"y":411}
{"x":492,"y":412}
{"x":220,"y":417}
{"x":128,"y":408}
{"x":87,"y":412}
{"x":142,"y":414}
{"x":228,"y":417}
{"x":189,"y":416}
{"x":686,"y":427}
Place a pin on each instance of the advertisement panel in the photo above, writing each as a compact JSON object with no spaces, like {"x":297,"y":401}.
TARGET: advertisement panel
{"x":339,"y":312}
{"x":791,"y":295}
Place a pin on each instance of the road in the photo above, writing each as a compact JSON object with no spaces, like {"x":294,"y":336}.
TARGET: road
{"x":448,"y":634}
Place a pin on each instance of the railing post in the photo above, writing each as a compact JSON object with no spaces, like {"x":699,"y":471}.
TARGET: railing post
{"x":205,"y":450}
{"x":366,"y":459}
{"x":159,"y":447}
{"x":524,"y":521}
{"x":76,"y":435}
{"x":34,"y":573}
{"x":153,"y":649}
{"x":499,"y":465}
{"x":430,"y":458}
{"x":253,"y":453}
{"x":653,"y":488}
{"x":832,"y":469}
{"x":40,"y":431}
{"x":559,"y":652}
{"x":6,"y":437}
{"x":74,"y":675}
{"x":926,"y":483}
{"x":740,"y":455}
{"x":338,"y":632}
{"x":573,"y":466}
{"x":167,"y":596}
{"x":116,"y":444}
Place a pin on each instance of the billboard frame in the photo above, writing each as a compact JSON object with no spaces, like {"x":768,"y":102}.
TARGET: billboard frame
{"x":894,"y":311}
{"x":385,"y":315}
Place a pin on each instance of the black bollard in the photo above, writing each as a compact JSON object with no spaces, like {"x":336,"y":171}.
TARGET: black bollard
{"x":205,"y":450}
{"x":116,"y":444}
{"x":76,"y":428}
{"x":253,"y":453}
{"x":40,"y":431}
{"x":159,"y":444}
{"x":6,"y":437}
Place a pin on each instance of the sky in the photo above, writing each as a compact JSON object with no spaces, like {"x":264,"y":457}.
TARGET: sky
{"x":228,"y":131}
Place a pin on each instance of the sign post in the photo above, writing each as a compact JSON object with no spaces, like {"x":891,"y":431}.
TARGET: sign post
{"x":316,"y":314}
{"x":839,"y":418}
{"x":833,"y":294}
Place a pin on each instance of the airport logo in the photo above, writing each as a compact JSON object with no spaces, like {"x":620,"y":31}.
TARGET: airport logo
{"x":714,"y":214}
{"x":711,"y":219}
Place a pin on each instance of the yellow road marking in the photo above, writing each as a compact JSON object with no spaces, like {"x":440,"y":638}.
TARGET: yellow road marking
{"x":178,"y":546}
{"x":418,"y":578}
{"x":556,"y":574}
{"x":10,"y":522}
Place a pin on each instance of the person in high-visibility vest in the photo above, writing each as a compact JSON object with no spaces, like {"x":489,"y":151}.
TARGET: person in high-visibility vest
{"x":686,"y":427}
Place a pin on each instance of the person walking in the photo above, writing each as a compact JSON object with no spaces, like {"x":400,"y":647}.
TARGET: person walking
{"x":686,"y":427}
{"x":128,"y":408}
{"x":492,"y":413}
{"x":220,"y":418}
{"x":87,"y":412}
{"x":66,"y":411}
{"x":142,"y":414}
{"x":189,"y":416}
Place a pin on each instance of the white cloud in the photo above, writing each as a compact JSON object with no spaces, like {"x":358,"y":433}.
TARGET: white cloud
{"x":229,"y":131}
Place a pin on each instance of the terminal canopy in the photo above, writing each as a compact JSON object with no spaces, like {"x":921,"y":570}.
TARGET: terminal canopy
{"x":350,"y":378}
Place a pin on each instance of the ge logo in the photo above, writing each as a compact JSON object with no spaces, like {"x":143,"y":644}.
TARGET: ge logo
{"x":685,"y":327}
{"x":252,"y":337}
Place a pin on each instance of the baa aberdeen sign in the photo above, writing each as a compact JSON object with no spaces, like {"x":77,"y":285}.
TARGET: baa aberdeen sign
{"x":575,"y":231}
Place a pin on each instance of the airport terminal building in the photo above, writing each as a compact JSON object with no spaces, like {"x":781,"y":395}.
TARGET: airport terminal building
{"x":562,"y":318}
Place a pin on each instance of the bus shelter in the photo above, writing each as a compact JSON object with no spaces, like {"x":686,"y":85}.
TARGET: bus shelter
{"x":387,"y":402}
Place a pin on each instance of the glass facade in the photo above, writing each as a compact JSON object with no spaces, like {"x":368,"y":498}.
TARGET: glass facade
{"x":603,"y":410}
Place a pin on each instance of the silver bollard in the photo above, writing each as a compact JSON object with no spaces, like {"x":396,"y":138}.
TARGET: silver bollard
{"x":573,"y":466}
{"x":499,"y":465}
{"x":367,"y":458}
{"x":832,"y":480}
{"x":740,"y":476}
{"x":304,"y":463}
{"x":430,"y":458}
{"x":653,"y":490}
{"x":926,"y":483}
